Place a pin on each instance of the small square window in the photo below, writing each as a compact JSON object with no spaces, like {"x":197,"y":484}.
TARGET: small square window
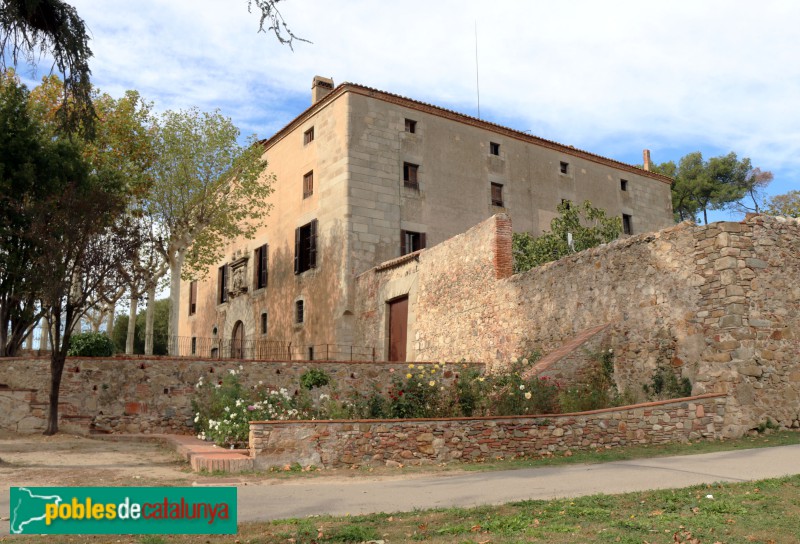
{"x":411,"y":126}
{"x":411,"y":241}
{"x":564,"y":167}
{"x":299,"y":311}
{"x":497,"y":194}
{"x":494,"y":148}
{"x":308,"y":136}
{"x":264,"y":323}
{"x":410,"y":175}
{"x":308,"y":184}
{"x":627,"y":224}
{"x":623,"y":185}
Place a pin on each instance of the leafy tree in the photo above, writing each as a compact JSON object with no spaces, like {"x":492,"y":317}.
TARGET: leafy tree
{"x":64,"y":232}
{"x":31,"y":28}
{"x":207,"y":190}
{"x":160,"y":330}
{"x":787,"y":204}
{"x":122,"y":143}
{"x":720,"y":182}
{"x":754,"y":185}
{"x":586,"y":225}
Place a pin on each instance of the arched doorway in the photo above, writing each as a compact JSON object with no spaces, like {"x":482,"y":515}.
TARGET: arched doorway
{"x":237,"y":341}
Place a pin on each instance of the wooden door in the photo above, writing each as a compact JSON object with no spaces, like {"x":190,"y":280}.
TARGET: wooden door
{"x":398,"y":326}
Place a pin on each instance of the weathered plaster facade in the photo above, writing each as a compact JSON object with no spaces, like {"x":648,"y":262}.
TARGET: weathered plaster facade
{"x":363,"y":141}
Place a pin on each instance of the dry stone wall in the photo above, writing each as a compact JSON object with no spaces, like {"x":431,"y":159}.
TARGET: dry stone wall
{"x":131,"y":395}
{"x":719,"y":304}
{"x":332,"y":444}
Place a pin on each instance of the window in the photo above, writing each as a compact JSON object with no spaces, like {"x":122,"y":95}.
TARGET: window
{"x":497,"y":194}
{"x":299,"y":311}
{"x":411,"y":241}
{"x":494,"y":149}
{"x":264,"y":323}
{"x":566,"y":203}
{"x":308,"y":184}
{"x":260,"y":258}
{"x":222,"y":284}
{"x":623,"y":185}
{"x":308,"y":136}
{"x":627,"y":224}
{"x":305,"y":247}
{"x":411,"y":126}
{"x":194,"y":345}
{"x":193,"y":298}
{"x":564,"y":167}
{"x":410,"y":175}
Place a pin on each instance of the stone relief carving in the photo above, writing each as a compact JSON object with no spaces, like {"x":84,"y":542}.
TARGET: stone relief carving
{"x":238,"y":274}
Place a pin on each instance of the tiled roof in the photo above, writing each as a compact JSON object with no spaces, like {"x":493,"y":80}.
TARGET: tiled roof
{"x":458,"y":117}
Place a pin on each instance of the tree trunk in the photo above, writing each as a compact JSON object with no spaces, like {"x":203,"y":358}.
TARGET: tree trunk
{"x":175,"y":266}
{"x":149,"y":317}
{"x":57,"y":359}
{"x":131,"y":324}
{"x":110,"y":319}
{"x":705,"y":216}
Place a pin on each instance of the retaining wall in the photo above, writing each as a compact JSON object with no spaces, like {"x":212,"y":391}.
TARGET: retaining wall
{"x":719,"y":304}
{"x":390,"y":442}
{"x":133,"y":395}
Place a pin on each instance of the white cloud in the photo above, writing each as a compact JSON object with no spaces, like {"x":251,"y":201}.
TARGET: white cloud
{"x":608,"y":77}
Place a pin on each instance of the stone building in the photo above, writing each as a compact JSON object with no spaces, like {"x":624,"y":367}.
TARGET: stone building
{"x":365,"y":176}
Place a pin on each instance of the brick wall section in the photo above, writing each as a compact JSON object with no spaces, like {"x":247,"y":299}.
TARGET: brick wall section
{"x":720,"y":304}
{"x":371,"y":443}
{"x":123,"y":395}
{"x":503,"y":257}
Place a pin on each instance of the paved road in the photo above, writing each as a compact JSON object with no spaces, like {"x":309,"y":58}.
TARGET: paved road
{"x":360,"y":495}
{"x":301,"y":498}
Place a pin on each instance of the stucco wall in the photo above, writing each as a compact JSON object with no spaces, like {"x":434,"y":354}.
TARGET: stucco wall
{"x":150,"y":395}
{"x":718,"y":303}
{"x":369,"y":442}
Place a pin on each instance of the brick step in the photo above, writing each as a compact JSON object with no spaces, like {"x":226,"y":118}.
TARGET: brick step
{"x":203,"y":456}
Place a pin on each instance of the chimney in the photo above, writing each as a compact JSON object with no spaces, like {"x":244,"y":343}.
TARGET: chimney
{"x":320,"y":88}
{"x":646,"y":157}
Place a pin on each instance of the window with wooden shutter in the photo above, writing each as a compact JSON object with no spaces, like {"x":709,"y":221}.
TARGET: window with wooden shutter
{"x":305,"y":247}
{"x":222,"y":284}
{"x":410,"y":175}
{"x":497,"y":194}
{"x":193,"y":298}
{"x":411,"y":241}
{"x":260,"y":258}
{"x":308,"y":136}
{"x":308,"y":184}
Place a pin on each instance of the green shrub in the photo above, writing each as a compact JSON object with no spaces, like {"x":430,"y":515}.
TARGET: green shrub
{"x":224,"y":409}
{"x":596,"y":389}
{"x":665,"y":384}
{"x":90,"y":344}
{"x":314,"y":378}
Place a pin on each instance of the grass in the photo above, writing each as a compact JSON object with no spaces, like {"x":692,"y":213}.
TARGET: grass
{"x":767,"y":511}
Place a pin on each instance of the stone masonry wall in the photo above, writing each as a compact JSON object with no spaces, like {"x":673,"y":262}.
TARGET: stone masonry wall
{"x":332,"y":444}
{"x":124,"y":395}
{"x":719,"y":304}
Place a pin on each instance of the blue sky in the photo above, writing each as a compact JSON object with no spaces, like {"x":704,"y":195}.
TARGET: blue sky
{"x":609,"y":77}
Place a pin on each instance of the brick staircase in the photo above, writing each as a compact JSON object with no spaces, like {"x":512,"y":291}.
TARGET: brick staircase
{"x":203,"y":456}
{"x":569,"y":347}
